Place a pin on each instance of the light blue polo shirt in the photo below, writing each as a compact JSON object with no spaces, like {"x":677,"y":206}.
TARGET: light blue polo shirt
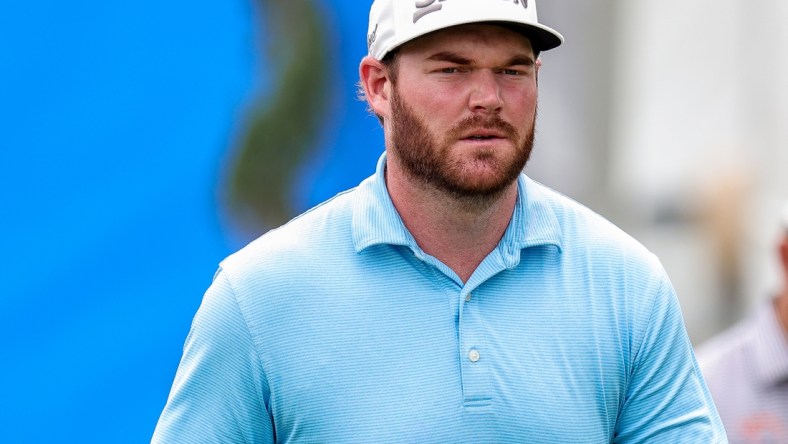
{"x":338,"y":328}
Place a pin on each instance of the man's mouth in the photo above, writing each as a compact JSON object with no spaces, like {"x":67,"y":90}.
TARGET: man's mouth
{"x":484,"y":136}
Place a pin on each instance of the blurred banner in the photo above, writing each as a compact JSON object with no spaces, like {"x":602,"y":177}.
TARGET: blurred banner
{"x":123,"y":125}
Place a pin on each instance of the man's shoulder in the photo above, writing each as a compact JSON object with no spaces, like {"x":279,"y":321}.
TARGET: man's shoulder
{"x":585,"y":229}
{"x":570,"y":213}
{"x":325,"y":227}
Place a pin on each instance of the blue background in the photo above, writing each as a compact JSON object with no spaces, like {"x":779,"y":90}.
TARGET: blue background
{"x":118,"y":121}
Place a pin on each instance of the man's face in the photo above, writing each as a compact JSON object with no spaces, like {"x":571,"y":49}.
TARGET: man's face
{"x":463,"y":109}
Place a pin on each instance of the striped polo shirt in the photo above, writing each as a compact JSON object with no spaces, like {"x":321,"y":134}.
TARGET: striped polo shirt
{"x":746,"y":368}
{"x":338,"y":328}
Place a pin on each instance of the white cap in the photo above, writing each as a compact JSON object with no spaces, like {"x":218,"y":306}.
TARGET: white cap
{"x":394,"y":22}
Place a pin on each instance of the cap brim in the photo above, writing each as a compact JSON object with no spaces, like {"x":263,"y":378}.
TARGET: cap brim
{"x":542,"y":37}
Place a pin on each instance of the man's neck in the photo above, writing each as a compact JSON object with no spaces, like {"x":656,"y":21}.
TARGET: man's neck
{"x":458,"y":232}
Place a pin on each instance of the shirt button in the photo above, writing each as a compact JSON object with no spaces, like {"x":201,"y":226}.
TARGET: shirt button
{"x":473,"y":355}
{"x":468,"y":298}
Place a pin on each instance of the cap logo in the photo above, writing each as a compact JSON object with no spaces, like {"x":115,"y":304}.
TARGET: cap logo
{"x":424,"y":7}
{"x":372,"y":36}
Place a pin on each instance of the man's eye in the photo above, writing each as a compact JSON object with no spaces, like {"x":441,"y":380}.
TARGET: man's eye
{"x":512,"y":72}
{"x":450,"y":70}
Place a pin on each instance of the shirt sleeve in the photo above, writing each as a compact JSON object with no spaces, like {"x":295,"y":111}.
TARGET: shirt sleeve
{"x":219,"y":394}
{"x":667,"y":399}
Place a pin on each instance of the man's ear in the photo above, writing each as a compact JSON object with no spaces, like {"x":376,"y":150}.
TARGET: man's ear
{"x":376,"y":84}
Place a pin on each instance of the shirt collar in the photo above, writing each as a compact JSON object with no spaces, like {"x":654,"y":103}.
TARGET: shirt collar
{"x":376,"y":221}
{"x":771,"y":350}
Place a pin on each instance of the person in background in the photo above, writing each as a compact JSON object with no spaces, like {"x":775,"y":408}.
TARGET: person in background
{"x":746,"y":366}
{"x":448,"y":298}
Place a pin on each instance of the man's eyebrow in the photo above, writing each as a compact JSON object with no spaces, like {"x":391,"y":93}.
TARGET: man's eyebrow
{"x":520,"y":60}
{"x":448,"y":56}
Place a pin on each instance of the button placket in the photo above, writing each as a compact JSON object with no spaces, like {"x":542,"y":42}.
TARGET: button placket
{"x":476,"y":386}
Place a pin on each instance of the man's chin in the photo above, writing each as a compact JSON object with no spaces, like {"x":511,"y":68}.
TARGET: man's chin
{"x":491,"y":186}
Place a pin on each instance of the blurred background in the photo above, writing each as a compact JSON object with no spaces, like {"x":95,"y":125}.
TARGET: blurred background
{"x":142,"y":142}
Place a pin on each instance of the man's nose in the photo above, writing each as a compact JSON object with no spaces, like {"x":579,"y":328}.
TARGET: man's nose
{"x":485,"y":95}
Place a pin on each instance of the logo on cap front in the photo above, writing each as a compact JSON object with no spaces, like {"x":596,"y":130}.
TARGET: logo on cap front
{"x":424,"y":7}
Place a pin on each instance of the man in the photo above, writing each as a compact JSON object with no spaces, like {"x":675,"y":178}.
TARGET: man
{"x":448,"y":298}
{"x":746,"y":367}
